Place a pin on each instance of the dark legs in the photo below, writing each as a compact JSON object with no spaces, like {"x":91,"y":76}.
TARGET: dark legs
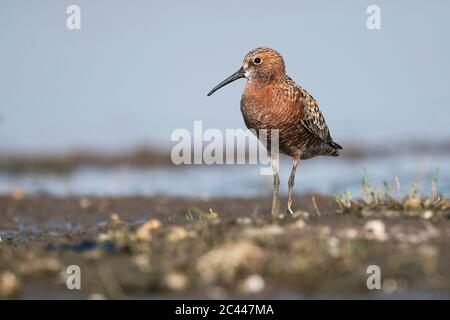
{"x":276,"y":187}
{"x":291,"y":183}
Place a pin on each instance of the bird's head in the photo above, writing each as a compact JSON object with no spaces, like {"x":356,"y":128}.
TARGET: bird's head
{"x":260,"y":64}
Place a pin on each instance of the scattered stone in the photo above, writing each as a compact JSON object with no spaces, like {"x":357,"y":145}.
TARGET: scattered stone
{"x":115,"y":218}
{"x":376,"y":230}
{"x":428,"y":214}
{"x":324,"y":231}
{"x":142,"y":261}
{"x":224,"y":262}
{"x":41,"y":266}
{"x":412,"y":203}
{"x":333,"y":244}
{"x":176,"y":281}
{"x":254,"y":284}
{"x":349,"y":233}
{"x":102,"y":237}
{"x":144,"y":232}
{"x":9,"y":284}
{"x":177,"y":233}
{"x":212,"y":214}
{"x":300,"y":224}
{"x":391,"y":285}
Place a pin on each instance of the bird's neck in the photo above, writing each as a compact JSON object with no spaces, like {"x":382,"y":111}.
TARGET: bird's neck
{"x":260,"y":95}
{"x":266,"y":87}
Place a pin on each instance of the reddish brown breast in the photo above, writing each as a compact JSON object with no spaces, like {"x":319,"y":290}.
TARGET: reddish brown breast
{"x":270,"y":106}
{"x":276,"y":106}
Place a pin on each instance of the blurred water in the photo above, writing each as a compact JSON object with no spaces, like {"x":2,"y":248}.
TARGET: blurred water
{"x":325,"y":175}
{"x":138,"y":70}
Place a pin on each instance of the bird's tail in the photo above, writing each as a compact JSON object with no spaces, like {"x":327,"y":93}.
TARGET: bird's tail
{"x":333,"y":149}
{"x":336,"y":145}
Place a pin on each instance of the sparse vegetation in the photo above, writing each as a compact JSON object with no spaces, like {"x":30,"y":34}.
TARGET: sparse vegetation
{"x":227,"y":247}
{"x":377,"y":201}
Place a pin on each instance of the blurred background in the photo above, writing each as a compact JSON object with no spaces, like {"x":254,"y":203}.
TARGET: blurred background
{"x":102,"y":102}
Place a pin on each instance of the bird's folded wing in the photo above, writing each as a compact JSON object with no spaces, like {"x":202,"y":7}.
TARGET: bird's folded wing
{"x":313,"y":120}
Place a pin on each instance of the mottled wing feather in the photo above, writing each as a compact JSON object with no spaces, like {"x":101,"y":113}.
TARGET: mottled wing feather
{"x":313,"y":119}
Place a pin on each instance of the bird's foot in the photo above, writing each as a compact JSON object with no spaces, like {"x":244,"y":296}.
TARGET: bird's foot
{"x":289,"y":208}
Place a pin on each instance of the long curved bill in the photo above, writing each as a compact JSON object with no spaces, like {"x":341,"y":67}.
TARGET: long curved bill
{"x":237,"y":75}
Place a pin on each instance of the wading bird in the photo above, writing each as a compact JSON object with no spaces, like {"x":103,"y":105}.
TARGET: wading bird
{"x":272,"y":100}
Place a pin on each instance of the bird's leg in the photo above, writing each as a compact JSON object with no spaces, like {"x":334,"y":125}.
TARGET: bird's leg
{"x":276,"y":187}
{"x":291,"y":183}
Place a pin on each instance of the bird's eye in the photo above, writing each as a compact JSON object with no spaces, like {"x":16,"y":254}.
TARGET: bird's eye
{"x":257,"y":60}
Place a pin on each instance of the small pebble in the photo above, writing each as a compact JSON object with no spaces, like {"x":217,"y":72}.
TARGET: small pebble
{"x":143,"y":233}
{"x":390,"y":285}
{"x":333,"y":244}
{"x":115,"y":218}
{"x":412,"y":203}
{"x":376,"y":230}
{"x":254,"y":284}
{"x":300,"y":224}
{"x":350,"y":233}
{"x":176,"y":281}
{"x":142,"y":261}
{"x":428,"y":214}
{"x":212,"y":214}
{"x":97,"y":296}
{"x":9,"y":284}
{"x":177,"y":233}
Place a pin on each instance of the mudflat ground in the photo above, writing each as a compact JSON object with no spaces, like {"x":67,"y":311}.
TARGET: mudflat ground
{"x":163,"y":247}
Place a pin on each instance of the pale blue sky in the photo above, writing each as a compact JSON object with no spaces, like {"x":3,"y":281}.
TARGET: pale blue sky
{"x":139,"y":69}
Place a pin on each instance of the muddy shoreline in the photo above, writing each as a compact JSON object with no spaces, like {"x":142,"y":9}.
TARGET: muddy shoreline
{"x":148,"y":157}
{"x":160,"y":247}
